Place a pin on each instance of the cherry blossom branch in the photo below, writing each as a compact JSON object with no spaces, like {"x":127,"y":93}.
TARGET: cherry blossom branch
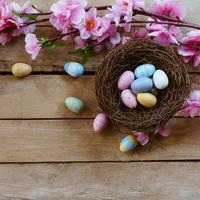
{"x":53,"y":40}
{"x":35,"y":22}
{"x":178,"y":24}
{"x":149,"y":14}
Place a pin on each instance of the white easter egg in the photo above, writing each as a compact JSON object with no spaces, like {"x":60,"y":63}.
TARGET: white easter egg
{"x":160,"y":79}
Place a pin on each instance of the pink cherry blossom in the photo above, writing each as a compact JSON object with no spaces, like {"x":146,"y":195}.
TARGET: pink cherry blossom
{"x":67,"y":13}
{"x":98,"y":48}
{"x":126,"y":39}
{"x":192,"y":105}
{"x":163,"y":34}
{"x":32,"y":45}
{"x":90,"y":25}
{"x":79,"y":42}
{"x":21,"y":21}
{"x":142,"y":137}
{"x":164,"y":131}
{"x":10,"y":24}
{"x":4,"y":38}
{"x":123,"y":10}
{"x":189,"y":53}
{"x":108,"y":32}
{"x":140,"y":33}
{"x":170,"y":8}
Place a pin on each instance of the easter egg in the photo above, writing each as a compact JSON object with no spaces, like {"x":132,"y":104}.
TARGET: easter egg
{"x":74,"y":69}
{"x":100,"y":122}
{"x":160,"y":79}
{"x":128,"y":98}
{"x":147,"y":100}
{"x":128,"y":143}
{"x":21,"y":70}
{"x":145,"y":70}
{"x":154,"y":91}
{"x":74,"y":104}
{"x":125,"y":80}
{"x":142,"y":85}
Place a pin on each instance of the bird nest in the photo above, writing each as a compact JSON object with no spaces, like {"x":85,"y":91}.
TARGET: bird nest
{"x":128,"y":57}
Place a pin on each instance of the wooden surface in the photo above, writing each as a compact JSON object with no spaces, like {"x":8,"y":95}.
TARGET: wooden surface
{"x":48,"y":153}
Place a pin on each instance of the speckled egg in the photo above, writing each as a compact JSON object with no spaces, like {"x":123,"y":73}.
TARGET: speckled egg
{"x":21,"y":70}
{"x":142,"y":85}
{"x":145,"y":70}
{"x":160,"y":79}
{"x":74,"y":104}
{"x":74,"y":69}
{"x":128,"y":143}
{"x":125,"y":80}
{"x":100,"y":122}
{"x":147,"y":100}
{"x":128,"y":98}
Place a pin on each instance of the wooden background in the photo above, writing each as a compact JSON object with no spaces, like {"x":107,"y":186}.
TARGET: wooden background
{"x":46,"y":152}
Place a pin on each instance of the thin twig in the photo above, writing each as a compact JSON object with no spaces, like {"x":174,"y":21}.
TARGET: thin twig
{"x":35,"y":22}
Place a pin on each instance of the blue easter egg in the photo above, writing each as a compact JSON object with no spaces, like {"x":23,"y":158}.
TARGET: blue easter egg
{"x":128,"y":143}
{"x":141,"y":85}
{"x":74,"y":69}
{"x":145,"y":70}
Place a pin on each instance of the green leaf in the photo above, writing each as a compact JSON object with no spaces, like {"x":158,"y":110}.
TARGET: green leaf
{"x":17,"y":13}
{"x":32,"y":17}
{"x":85,"y":55}
{"x":42,"y":40}
{"x":76,"y":51}
{"x":84,"y":52}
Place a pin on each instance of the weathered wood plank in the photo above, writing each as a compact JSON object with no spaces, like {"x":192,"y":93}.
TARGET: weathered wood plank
{"x":43,"y":96}
{"x":54,"y":60}
{"x":74,"y":140}
{"x":113,"y":181}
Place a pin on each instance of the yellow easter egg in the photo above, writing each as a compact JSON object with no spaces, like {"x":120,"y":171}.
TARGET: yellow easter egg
{"x":20,"y":70}
{"x":147,"y":100}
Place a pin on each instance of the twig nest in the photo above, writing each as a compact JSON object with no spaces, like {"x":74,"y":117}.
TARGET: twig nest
{"x":127,"y":58}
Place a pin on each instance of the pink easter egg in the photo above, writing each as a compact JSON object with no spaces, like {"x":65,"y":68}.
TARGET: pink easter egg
{"x":100,"y":123}
{"x":125,"y":80}
{"x":128,"y":98}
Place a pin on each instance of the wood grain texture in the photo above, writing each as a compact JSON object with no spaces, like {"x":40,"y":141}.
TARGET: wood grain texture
{"x":75,"y":141}
{"x":54,"y":60}
{"x":43,"y":96}
{"x":105,"y":181}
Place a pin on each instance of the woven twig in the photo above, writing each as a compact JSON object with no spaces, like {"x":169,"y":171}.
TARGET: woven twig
{"x":128,"y":57}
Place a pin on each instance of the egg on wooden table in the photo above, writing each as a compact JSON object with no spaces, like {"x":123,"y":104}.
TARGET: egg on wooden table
{"x":145,"y":70}
{"x":74,"y":69}
{"x":128,"y":143}
{"x":160,"y":79}
{"x":147,"y":100}
{"x":129,"y":98}
{"x":74,"y":104}
{"x":101,"y":121}
{"x":142,"y":85}
{"x":21,"y":70}
{"x":125,"y":80}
